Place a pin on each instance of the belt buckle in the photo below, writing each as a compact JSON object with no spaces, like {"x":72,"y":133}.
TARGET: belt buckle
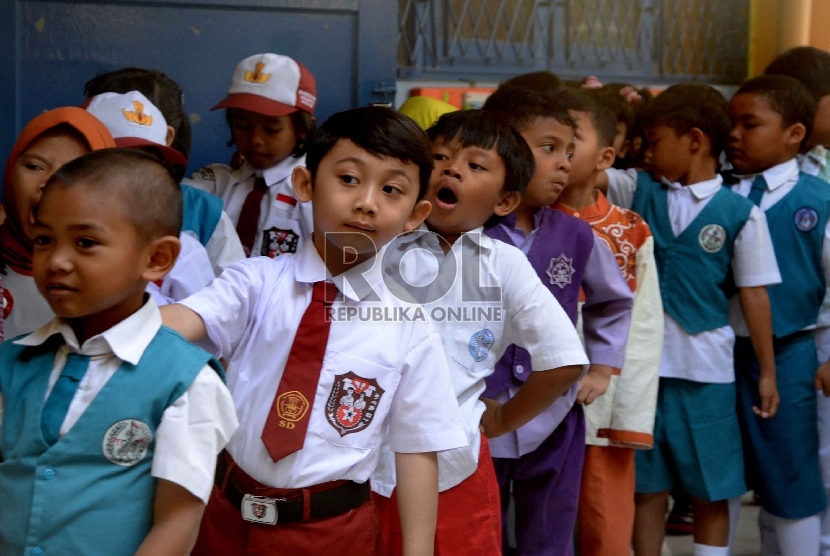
{"x":259,"y":509}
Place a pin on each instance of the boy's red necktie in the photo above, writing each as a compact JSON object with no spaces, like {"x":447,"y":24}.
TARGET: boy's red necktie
{"x":285,"y":428}
{"x":249,"y":217}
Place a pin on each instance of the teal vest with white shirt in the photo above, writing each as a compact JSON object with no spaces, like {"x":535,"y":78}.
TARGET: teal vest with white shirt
{"x":796,"y":224}
{"x":693,"y":268}
{"x":91,"y":493}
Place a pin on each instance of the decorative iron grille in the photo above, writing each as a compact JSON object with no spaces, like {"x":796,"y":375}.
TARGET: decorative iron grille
{"x":654,"y":40}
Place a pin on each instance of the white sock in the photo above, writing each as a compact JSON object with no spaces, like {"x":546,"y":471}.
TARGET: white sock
{"x":769,"y":539}
{"x":796,"y":537}
{"x":706,"y":550}
{"x":734,"y":516}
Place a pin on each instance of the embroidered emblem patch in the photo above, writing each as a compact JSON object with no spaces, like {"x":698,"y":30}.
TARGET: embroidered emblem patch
{"x":352,"y":403}
{"x":806,"y":219}
{"x":712,"y":237}
{"x":127,"y":442}
{"x":6,"y":305}
{"x":560,"y":271}
{"x":292,"y":406}
{"x":257,"y":76}
{"x":277,"y":242}
{"x":207,"y":174}
{"x":137,"y":116}
{"x":480,"y":344}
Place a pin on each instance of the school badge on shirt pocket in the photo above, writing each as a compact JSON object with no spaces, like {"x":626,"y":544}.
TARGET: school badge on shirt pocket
{"x":276,"y":242}
{"x":352,"y":403}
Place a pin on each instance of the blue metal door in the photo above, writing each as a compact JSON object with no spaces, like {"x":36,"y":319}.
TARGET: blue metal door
{"x":50,"y":49}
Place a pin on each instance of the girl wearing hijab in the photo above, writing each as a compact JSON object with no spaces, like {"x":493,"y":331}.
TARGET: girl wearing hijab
{"x":46,"y":143}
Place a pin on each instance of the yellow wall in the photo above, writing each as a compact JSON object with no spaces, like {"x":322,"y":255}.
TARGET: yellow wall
{"x":776,"y":25}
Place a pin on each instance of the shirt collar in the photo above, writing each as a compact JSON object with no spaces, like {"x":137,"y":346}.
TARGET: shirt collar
{"x":594,"y":212}
{"x":777,"y":175}
{"x":702,"y":189}
{"x":310,"y":268}
{"x":476,"y":235}
{"x":281,"y":171}
{"x":127,"y":340}
{"x":817,"y":155}
{"x":510,"y":220}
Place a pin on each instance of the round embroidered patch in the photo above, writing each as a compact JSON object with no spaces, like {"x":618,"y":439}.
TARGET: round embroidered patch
{"x":806,"y":219}
{"x":712,"y":237}
{"x":480,"y":344}
{"x":127,"y":442}
{"x":6,"y":302}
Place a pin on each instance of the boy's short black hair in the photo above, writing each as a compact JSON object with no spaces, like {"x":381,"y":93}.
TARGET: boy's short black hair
{"x":604,"y":120}
{"x":520,"y":107}
{"x":152,"y":200}
{"x":487,"y":130}
{"x":378,"y":130}
{"x":787,"y":96}
{"x":542,"y":82}
{"x":809,"y":65}
{"x":689,"y":105}
{"x":303,"y":122}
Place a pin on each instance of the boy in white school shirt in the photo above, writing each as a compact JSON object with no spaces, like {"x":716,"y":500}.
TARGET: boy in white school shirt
{"x":112,"y":422}
{"x":312,"y":433}
{"x":482,"y":166}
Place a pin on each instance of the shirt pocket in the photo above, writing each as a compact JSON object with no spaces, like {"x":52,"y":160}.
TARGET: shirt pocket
{"x":473,"y":349}
{"x":353,"y":399}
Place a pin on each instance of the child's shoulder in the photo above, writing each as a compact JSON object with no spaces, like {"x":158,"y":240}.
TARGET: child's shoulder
{"x":624,"y":224}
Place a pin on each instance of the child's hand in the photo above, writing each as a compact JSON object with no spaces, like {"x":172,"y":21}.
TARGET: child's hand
{"x":770,"y":401}
{"x":822,"y":381}
{"x":594,"y":384}
{"x":491,"y":422}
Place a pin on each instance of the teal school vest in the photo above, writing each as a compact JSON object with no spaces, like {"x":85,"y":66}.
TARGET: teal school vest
{"x":694,"y":268}
{"x":91,"y":493}
{"x":796,"y":224}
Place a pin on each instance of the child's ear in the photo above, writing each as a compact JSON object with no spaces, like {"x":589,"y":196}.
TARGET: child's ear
{"x":606,"y":158}
{"x":161,"y":256}
{"x":418,"y":215}
{"x":171,"y":135}
{"x":301,"y":178}
{"x":697,"y":139}
{"x":508,"y":203}
{"x":795,"y":134}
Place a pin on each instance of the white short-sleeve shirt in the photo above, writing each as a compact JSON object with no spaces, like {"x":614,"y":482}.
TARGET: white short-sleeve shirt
{"x":193,"y":430}
{"x":706,"y":356}
{"x":476,"y":333}
{"x":284,"y":223}
{"x":252,"y":313}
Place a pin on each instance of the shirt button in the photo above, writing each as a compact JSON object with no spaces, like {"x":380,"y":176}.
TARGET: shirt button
{"x":519,"y":369}
{"x":577,"y":215}
{"x":48,"y":474}
{"x":37,"y":551}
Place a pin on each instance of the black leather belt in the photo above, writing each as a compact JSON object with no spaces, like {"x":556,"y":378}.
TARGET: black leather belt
{"x":329,"y":503}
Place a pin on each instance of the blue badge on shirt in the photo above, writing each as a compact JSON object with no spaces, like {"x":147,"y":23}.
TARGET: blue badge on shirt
{"x":806,"y":219}
{"x":480,"y":344}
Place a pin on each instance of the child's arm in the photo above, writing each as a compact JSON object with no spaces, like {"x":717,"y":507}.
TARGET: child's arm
{"x":417,"y":501}
{"x":185,"y":321}
{"x":176,"y":517}
{"x":756,"y":308}
{"x":536,"y":395}
{"x":606,"y":320}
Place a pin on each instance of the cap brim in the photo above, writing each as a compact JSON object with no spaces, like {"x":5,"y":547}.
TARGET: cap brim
{"x":169,"y":154}
{"x":256,"y":103}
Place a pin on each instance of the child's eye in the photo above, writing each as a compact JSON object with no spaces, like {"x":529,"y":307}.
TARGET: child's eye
{"x":548,"y":148}
{"x":391,"y":190}
{"x":349,"y":180}
{"x":274,"y":131}
{"x":42,"y":241}
{"x":570,"y":155}
{"x":439,"y":156}
{"x":474,"y":166}
{"x":33,"y":166}
{"x":86,"y":243}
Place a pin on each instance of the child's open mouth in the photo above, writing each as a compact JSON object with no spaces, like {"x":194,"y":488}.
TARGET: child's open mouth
{"x":446,"y":199}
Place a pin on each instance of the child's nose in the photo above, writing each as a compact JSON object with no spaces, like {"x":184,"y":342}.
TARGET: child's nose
{"x":367,"y":201}
{"x":452,"y":172}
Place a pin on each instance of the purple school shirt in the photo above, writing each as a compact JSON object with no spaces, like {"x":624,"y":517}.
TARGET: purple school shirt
{"x":566,"y":259}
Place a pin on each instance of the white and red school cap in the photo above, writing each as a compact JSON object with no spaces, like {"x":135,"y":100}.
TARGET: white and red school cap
{"x":271,"y":84}
{"x":134,"y":121}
